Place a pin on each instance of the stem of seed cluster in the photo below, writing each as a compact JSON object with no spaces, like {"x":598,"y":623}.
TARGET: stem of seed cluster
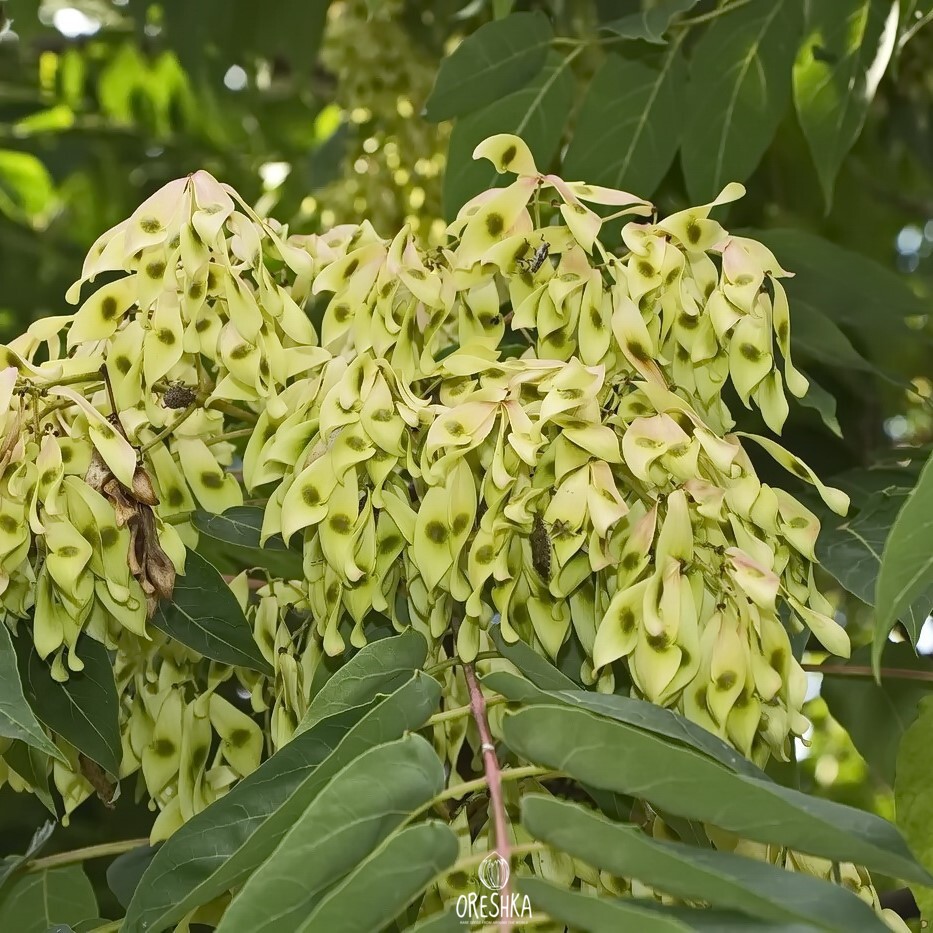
{"x":169,"y":429}
{"x":234,"y":411}
{"x":493,"y":777}
{"x":229,"y":436}
{"x":104,"y":850}
{"x":75,"y":380}
{"x":458,"y":712}
{"x":442,"y":666}
{"x":509,"y":774}
{"x":113,"y":402}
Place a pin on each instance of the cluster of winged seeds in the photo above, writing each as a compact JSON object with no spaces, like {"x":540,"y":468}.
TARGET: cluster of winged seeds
{"x":523,"y":428}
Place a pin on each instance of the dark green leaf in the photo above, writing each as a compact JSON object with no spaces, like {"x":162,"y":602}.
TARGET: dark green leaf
{"x":17,"y":720}
{"x":361,"y":806}
{"x":850,"y":548}
{"x":537,"y":669}
{"x":537,"y":112}
{"x":402,"y":867}
{"x":11,"y":864}
{"x":33,"y":767}
{"x":847,"y":286}
{"x":876,"y":716}
{"x":906,"y":573}
{"x":223,"y":844}
{"x":823,"y":403}
{"x":632,"y":712}
{"x":817,"y":337}
{"x":293,"y":31}
{"x":584,"y":913}
{"x":650,"y":24}
{"x":238,"y":530}
{"x":379,"y":668}
{"x":204,"y":614}
{"x":842,"y":59}
{"x":724,"y":921}
{"x":239,"y":30}
{"x":84,"y":710}
{"x":42,"y":899}
{"x":913,"y":796}
{"x":886,"y":479}
{"x":493,"y":61}
{"x":687,"y":784}
{"x":124,"y":872}
{"x":720,"y":878}
{"x":589,"y":914}
{"x":630,"y":122}
{"x":739,"y":89}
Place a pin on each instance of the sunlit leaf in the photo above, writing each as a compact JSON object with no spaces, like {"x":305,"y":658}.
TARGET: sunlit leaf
{"x":844,"y":53}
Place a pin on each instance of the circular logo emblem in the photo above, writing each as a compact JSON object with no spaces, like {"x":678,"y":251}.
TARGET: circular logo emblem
{"x":494,"y":872}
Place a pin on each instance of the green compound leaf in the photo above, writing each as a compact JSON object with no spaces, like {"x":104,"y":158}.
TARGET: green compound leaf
{"x":26,"y":187}
{"x":739,"y":89}
{"x":381,"y":667}
{"x":844,"y":54}
{"x":536,"y":668}
{"x":17,"y":720}
{"x":384,"y":883}
{"x":876,"y":716}
{"x":913,"y":798}
{"x":685,"y":783}
{"x":823,"y":403}
{"x":10,"y":865}
{"x":851,"y":548}
{"x":494,"y":61}
{"x":720,"y":878}
{"x":84,"y":710}
{"x":650,"y":24}
{"x":638,"y":713}
{"x":236,"y":533}
{"x":588,"y":914}
{"x":537,"y":112}
{"x":221,"y":846}
{"x":124,"y":872}
{"x":33,"y":767}
{"x":40,"y":900}
{"x":906,"y":573}
{"x":361,"y":806}
{"x":629,"y":126}
{"x":204,"y":614}
{"x":849,"y":287}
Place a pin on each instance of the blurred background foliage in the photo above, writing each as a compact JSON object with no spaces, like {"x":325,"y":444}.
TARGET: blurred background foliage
{"x":315,"y":112}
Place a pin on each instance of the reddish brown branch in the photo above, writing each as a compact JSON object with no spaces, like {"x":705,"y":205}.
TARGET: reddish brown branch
{"x":493,"y":779}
